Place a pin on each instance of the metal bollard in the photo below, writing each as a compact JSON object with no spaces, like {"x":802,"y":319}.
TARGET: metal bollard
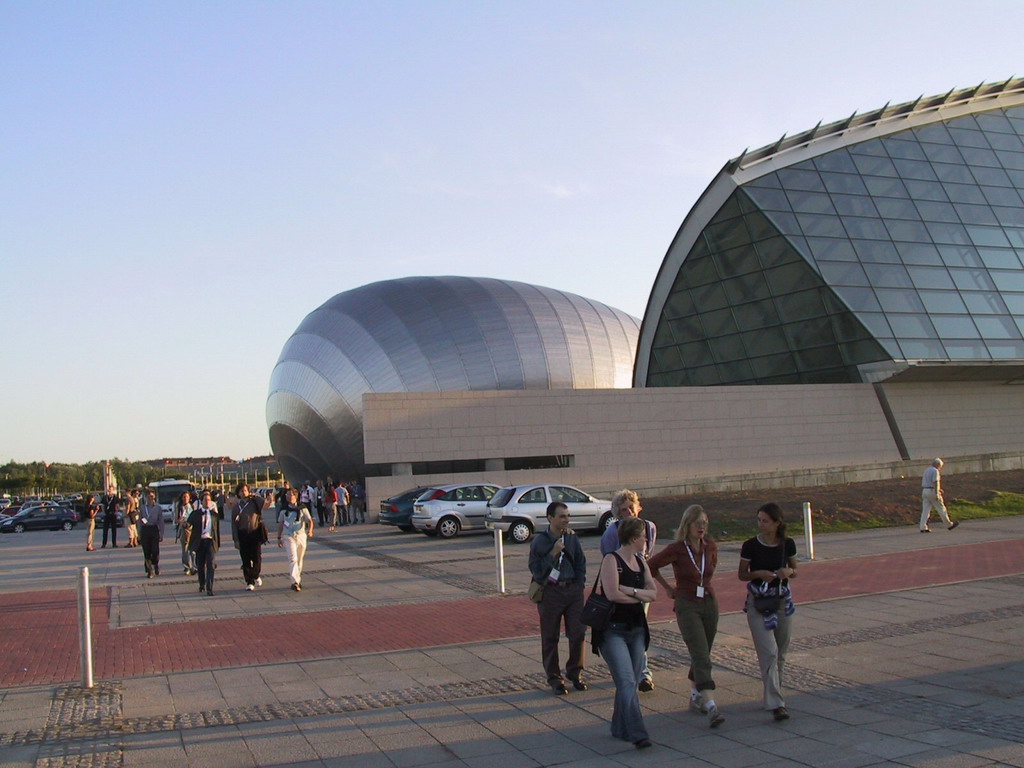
{"x":84,"y":627}
{"x":499,"y":560}
{"x":808,"y":530}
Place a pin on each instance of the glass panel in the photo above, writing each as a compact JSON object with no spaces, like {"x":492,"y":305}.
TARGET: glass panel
{"x":678,"y":305}
{"x":955,"y":174}
{"x":930,"y":277}
{"x":964,"y":193}
{"x":878,"y":251}
{"x":968,"y":138}
{"x":972,"y":279}
{"x":769,"y":199}
{"x":975,"y":214}
{"x":914,"y":169}
{"x":1007,"y":281}
{"x":947,"y":233}
{"x":803,"y":335}
{"x":936,"y":132}
{"x":970,"y":350}
{"x":787,"y":278}
{"x":959,"y":256}
{"x":727,"y":234}
{"x":832,"y":249}
{"x":784,"y":222}
{"x":908,"y":150}
{"x":994,"y":121}
{"x":1007,"y":350}
{"x":907,"y":230}
{"x":898,"y":301}
{"x":987,"y":236}
{"x":775,"y":251}
{"x":765,"y":340}
{"x":993,"y":177}
{"x":980,"y":157}
{"x":696,"y":353}
{"x":894,"y":208}
{"x":815,"y":225}
{"x":911,"y":326}
{"x":737,"y":261}
{"x":806,"y":180}
{"x":843,"y":273}
{"x":719,"y":322}
{"x":888,"y":276}
{"x":999,"y":258}
{"x":844,"y":182}
{"x":668,"y":359}
{"x":876,"y":324}
{"x":882,"y":186}
{"x":1005,"y":142}
{"x":728,"y":348}
{"x":926,"y":190}
{"x":935,"y":211}
{"x":802,"y":306}
{"x":759,"y":227}
{"x":1012,"y":159}
{"x":821,"y":357}
{"x":876,"y":166}
{"x":922,"y":349}
{"x":860,"y":299}
{"x":874,"y":148}
{"x":846,"y":328}
{"x":1016,"y":236}
{"x":868,"y":229}
{"x":1001,"y":196}
{"x":1014,"y":302}
{"x":1010,"y":217}
{"x":857,"y":205}
{"x":699,"y":271}
{"x":736,"y":371}
{"x":709,"y":297}
{"x":746,"y":288}
{"x":955,"y":327}
{"x":919,"y":253}
{"x":773,"y":365}
{"x":942,"y":153}
{"x":997,"y":328}
{"x":943,"y":301}
{"x":838,"y":160}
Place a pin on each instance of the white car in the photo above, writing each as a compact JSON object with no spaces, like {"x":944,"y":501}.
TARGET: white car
{"x":521,"y":510}
{"x":448,"y":509}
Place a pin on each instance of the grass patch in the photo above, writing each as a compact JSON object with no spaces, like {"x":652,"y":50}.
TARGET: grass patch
{"x":1000,"y":505}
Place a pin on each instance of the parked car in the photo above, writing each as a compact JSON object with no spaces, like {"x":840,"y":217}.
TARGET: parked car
{"x":521,"y":510}
{"x":448,"y":509}
{"x":5,"y":503}
{"x":49,"y":518}
{"x":40,"y":505}
{"x":397,"y":509}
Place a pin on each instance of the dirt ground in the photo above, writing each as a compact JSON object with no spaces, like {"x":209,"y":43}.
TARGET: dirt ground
{"x":878,"y":503}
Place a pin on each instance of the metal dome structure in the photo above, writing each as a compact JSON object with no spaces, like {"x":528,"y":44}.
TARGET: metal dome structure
{"x":432,"y":334}
{"x":886,"y":246}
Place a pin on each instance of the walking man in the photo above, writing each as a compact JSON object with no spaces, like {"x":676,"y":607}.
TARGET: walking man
{"x":249,"y":535}
{"x":151,"y":533}
{"x":203,"y":539}
{"x":557,"y":562}
{"x":931,"y":497}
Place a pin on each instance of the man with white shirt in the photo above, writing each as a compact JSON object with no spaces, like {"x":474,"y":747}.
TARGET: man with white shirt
{"x":931,"y":497}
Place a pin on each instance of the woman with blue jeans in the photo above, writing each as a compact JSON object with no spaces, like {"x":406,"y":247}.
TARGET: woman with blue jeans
{"x":626,"y":581}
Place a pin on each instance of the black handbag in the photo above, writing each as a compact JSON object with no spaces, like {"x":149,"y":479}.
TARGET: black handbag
{"x":772,"y":601}
{"x":598,"y":609}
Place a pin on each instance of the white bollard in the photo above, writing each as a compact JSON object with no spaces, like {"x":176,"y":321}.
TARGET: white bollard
{"x":808,"y":530}
{"x":499,"y":560}
{"x":85,"y":627}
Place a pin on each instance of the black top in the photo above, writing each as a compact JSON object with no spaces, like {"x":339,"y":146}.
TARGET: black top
{"x":765,"y":558}
{"x":631,"y":614}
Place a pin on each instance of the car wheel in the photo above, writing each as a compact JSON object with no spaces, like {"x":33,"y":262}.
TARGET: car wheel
{"x":520,"y":532}
{"x":606,"y":521}
{"x":19,"y":528}
{"x":448,"y":527}
{"x":68,"y":525}
{"x":405,"y":528}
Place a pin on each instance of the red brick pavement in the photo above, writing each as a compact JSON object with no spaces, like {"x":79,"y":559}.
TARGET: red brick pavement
{"x":40,"y":644}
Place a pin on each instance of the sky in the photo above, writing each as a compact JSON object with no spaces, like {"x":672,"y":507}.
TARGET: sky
{"x":182,"y":182}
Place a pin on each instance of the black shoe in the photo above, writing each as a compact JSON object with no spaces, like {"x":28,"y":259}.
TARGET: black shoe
{"x":201,"y":589}
{"x":643,"y":744}
{"x":559,"y":689}
{"x":954,"y":525}
{"x":780,"y":713}
{"x":579,"y":685}
{"x":149,"y":575}
{"x":210,"y":591}
{"x":156,"y":569}
{"x":646,"y":685}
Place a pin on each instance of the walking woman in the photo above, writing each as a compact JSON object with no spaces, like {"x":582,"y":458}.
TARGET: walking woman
{"x":249,"y":534}
{"x":182,"y":509}
{"x":767,"y":564}
{"x":626,"y":581}
{"x":295,"y":525}
{"x":693,"y":557}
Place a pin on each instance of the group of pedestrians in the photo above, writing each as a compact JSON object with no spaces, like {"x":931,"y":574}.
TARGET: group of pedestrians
{"x":333,"y":503}
{"x":629,"y":576}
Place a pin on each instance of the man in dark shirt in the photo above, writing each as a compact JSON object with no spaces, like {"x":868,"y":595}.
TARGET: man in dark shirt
{"x":109,"y":503}
{"x":557,"y":561}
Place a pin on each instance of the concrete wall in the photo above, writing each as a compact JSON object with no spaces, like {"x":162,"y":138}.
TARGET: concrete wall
{"x":650,"y":438}
{"x":958,"y":418}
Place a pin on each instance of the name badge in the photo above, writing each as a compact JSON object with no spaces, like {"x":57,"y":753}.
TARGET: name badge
{"x":700,"y":591}
{"x":553,"y":576}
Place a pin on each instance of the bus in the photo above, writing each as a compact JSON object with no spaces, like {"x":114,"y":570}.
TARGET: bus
{"x":167,"y":492}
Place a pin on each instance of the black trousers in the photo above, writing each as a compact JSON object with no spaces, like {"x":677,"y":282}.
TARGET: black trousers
{"x":205,"y":563}
{"x":562,"y":603}
{"x":110,"y":523}
{"x":149,"y":538}
{"x":250,"y":548}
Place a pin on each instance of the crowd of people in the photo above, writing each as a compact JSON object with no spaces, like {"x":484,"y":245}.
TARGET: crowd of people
{"x":629,"y":576}
{"x":196,"y":522}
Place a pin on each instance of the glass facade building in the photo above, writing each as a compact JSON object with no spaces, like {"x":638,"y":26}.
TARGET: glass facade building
{"x":432,"y":334}
{"x":887,"y":243}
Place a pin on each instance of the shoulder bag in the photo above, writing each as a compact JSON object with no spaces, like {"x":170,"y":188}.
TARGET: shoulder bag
{"x":770,"y":601}
{"x":597,"y":611}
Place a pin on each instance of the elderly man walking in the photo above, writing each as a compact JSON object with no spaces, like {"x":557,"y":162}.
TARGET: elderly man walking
{"x":931,"y":497}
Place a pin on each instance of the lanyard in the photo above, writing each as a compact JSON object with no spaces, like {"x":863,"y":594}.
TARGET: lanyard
{"x":703,"y":554}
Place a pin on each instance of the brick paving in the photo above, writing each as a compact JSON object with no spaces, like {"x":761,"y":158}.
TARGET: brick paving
{"x":41,"y":645}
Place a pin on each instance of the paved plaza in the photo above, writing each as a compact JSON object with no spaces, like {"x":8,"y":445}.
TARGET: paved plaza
{"x":399,"y":651}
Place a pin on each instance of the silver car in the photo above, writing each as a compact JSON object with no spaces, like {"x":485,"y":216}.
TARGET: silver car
{"x":448,"y":509}
{"x":521,"y":510}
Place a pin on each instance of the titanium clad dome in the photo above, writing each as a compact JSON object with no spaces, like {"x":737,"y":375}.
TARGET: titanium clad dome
{"x":432,"y":334}
{"x":887,"y":245}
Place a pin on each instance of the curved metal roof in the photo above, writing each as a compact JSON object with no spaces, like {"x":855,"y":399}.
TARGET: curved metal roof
{"x":432,"y":334}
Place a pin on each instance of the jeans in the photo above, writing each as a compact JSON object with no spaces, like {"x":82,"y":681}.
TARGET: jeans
{"x":623,"y":652}
{"x":149,"y":537}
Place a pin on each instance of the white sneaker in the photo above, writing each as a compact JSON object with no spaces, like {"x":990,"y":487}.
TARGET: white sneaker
{"x":695,"y":704}
{"x":259,"y":582}
{"x":249,"y":587}
{"x":715,"y":718}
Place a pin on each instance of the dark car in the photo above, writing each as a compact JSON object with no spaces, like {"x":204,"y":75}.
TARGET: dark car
{"x":40,"y":519}
{"x":397,"y":510}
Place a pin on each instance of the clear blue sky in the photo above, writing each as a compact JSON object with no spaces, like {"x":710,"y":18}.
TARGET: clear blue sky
{"x":182,"y":182}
